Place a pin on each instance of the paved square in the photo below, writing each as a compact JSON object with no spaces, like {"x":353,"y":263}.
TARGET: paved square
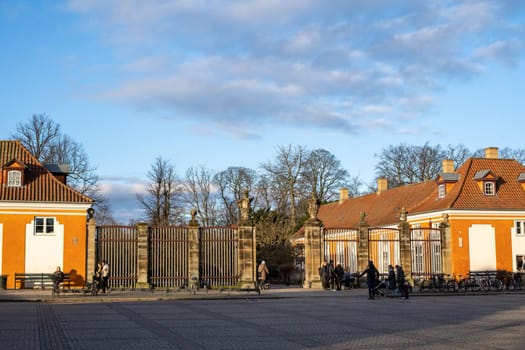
{"x":343,"y":320}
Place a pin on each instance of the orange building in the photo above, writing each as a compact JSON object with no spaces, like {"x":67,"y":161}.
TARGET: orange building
{"x":42,"y":220}
{"x":483,"y":200}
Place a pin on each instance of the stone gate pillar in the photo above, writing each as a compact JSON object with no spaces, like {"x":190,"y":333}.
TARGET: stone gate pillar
{"x":313,"y":249}
{"x":405,"y":249}
{"x":446,"y":245}
{"x":91,"y":254}
{"x":193,"y":249}
{"x":142,"y":255}
{"x":246,"y":231}
{"x":362,"y":244}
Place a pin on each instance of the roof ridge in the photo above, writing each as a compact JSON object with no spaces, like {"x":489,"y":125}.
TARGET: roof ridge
{"x":462,"y":180}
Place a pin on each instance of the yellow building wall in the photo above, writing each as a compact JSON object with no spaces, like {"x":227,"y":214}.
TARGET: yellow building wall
{"x":460,"y":243}
{"x":14,"y":233}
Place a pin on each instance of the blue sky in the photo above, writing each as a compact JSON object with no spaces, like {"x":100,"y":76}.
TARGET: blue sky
{"x":223,"y":83}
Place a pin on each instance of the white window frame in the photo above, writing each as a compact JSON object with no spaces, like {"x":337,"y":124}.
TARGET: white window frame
{"x":519,"y":228}
{"x":442,"y":191}
{"x":45,"y":226}
{"x":489,"y":188}
{"x":14,"y":178}
{"x":520,"y":258}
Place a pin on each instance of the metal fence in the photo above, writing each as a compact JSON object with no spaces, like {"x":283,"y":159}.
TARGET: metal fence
{"x":168,"y":256}
{"x":426,"y":252}
{"x":340,"y":246}
{"x":219,"y":256}
{"x":118,"y":246}
{"x":384,"y":247}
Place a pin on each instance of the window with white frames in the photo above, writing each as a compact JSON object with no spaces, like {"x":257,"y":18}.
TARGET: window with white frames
{"x":44,"y":226}
{"x":442,"y":190}
{"x":519,"y":227}
{"x":519,"y":262}
{"x":489,"y":188}
{"x":14,"y":178}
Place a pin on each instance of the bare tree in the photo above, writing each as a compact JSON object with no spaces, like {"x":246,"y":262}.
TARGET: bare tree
{"x":404,"y":164}
{"x":284,"y":174}
{"x":199,"y":194}
{"x":394,"y":164}
{"x":164,"y":190}
{"x":231,"y":183}
{"x":426,"y":161}
{"x":38,"y":135}
{"x":42,"y":136}
{"x":323,"y":175}
{"x":459,"y":154}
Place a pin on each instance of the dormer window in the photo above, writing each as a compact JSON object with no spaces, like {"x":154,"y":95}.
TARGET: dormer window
{"x":442,"y":191}
{"x":487,"y":182}
{"x":489,"y":188}
{"x":14,"y":178}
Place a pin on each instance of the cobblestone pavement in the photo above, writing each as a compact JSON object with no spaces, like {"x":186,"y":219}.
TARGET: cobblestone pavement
{"x":279,"y":319}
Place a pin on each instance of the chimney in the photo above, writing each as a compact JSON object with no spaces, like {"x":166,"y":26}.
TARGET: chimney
{"x":382,"y":185}
{"x":343,"y":194}
{"x":491,"y":153}
{"x":448,"y":166}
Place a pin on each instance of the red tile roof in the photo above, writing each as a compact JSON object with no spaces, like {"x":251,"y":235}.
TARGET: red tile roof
{"x":39,"y":184}
{"x":384,"y":208}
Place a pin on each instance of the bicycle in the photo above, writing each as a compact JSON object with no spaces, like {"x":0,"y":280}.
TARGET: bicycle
{"x":512,"y":281}
{"x":471,"y":282}
{"x":491,"y":283}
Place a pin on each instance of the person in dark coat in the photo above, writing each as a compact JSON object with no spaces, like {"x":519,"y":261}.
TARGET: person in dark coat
{"x":372,"y":275}
{"x":323,"y":274}
{"x":330,"y":271}
{"x":339,"y":273}
{"x":391,"y":279}
{"x":402,"y":284}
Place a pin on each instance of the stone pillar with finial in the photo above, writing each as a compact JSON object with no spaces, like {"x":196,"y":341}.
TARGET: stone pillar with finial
{"x":362,"y":244}
{"x":405,"y":250}
{"x":313,"y":248}
{"x":446,"y":245}
{"x":91,"y":258}
{"x":193,"y":248}
{"x":246,"y":235}
{"x":142,"y":255}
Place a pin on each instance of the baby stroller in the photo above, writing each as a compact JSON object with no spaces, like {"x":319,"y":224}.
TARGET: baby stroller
{"x":349,"y":280}
{"x":381,"y":288}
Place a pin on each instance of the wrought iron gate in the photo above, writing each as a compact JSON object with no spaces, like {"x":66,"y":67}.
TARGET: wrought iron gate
{"x":384,"y":247}
{"x":425,"y":244}
{"x":118,"y":246}
{"x":219,"y":256}
{"x":340,"y":246}
{"x":168,"y":256}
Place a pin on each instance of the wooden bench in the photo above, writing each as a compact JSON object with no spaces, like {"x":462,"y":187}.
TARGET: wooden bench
{"x":40,"y":280}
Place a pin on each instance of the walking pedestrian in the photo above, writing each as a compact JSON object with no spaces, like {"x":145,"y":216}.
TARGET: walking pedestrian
{"x":391,"y":279}
{"x":323,"y":274}
{"x":402,"y":284}
{"x":372,"y":275}
{"x":105,"y":276}
{"x":263,"y":272}
{"x":339,"y":273}
{"x":330,"y":271}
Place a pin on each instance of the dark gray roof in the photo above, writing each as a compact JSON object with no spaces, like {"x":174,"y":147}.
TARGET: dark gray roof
{"x":57,"y":168}
{"x":449,"y":176}
{"x":481,"y":174}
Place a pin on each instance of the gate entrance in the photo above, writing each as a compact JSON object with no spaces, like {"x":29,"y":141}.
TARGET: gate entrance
{"x":340,"y":246}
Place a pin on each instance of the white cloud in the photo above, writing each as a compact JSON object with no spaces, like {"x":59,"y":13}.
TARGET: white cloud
{"x":243,"y":65}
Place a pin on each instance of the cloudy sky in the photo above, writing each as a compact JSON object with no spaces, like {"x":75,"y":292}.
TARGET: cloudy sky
{"x":223,"y":83}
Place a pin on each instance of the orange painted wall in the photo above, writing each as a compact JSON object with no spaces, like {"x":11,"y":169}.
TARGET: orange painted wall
{"x":460,"y":255}
{"x":13,"y":250}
